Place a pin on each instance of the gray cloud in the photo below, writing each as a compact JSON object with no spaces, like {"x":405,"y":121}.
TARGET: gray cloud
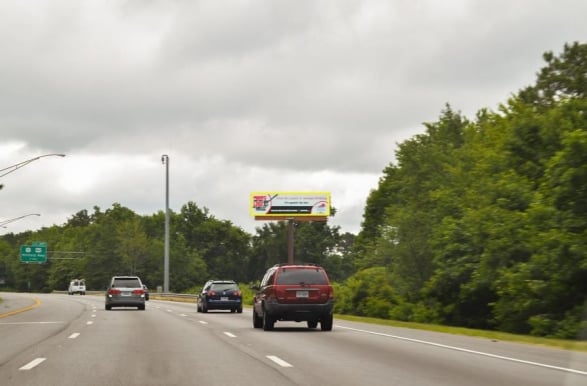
{"x":249,"y":95}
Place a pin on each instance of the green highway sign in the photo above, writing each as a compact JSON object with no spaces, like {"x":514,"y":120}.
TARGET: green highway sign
{"x":35,"y":253}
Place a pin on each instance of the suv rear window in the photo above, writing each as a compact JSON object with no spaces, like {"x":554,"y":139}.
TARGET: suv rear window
{"x":126,"y":283}
{"x":301,"y":275}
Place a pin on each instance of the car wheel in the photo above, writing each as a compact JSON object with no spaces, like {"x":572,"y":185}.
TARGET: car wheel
{"x":326,"y":323}
{"x":108,"y":308}
{"x":232,"y":310}
{"x":257,"y":320}
{"x":312,"y":324}
{"x":268,"y":321}
{"x":198,"y":309}
{"x":204,"y":308}
{"x":141,"y":308}
{"x":239,"y":310}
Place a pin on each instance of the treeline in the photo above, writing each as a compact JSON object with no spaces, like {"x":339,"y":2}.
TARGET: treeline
{"x":118,"y":241}
{"x":483,"y":223}
{"x":478,"y":223}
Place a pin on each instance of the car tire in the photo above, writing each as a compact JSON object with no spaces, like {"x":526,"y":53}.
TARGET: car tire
{"x":312,"y":324}
{"x":198,"y":309}
{"x":204,"y":308}
{"x":108,"y":308}
{"x":326,"y":323}
{"x":268,"y":321}
{"x":257,"y":320}
{"x":232,"y":310}
{"x":141,"y":308}
{"x":239,"y":310}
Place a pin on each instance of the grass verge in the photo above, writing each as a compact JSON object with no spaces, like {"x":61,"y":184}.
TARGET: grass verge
{"x":493,"y":335}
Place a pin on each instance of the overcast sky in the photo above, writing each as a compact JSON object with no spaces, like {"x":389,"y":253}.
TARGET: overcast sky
{"x":244,"y":95}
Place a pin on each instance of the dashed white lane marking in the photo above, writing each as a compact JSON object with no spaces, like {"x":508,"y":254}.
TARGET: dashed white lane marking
{"x":230,"y":335}
{"x":469,"y":351}
{"x":169,"y":310}
{"x":182,"y":315}
{"x":74,"y":335}
{"x":32,"y":364}
{"x":93,"y":315}
{"x":279,"y":361}
{"x":203,"y":322}
{"x":89,"y":323}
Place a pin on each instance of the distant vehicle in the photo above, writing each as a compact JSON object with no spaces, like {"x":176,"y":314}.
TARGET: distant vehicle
{"x":125,"y":291}
{"x":146,"y":292}
{"x":77,"y":286}
{"x":220,"y":295}
{"x":294,"y":292}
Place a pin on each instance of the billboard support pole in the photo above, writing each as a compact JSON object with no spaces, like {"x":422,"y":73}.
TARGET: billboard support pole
{"x":290,"y":241}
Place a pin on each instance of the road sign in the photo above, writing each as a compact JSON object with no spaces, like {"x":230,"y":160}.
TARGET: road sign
{"x":35,"y":253}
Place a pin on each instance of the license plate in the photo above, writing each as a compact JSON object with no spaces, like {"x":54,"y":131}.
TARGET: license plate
{"x":125,"y":293}
{"x":223,"y":298}
{"x":301,"y":294}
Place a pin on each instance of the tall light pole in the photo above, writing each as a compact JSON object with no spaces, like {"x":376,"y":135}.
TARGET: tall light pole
{"x":165,"y":160}
{"x":12,"y":168}
{"x":2,"y":223}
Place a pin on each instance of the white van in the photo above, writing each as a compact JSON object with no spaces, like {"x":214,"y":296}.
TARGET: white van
{"x":77,"y":286}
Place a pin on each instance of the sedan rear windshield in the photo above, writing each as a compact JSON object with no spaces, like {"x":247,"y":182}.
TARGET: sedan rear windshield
{"x":302,"y":276}
{"x":127,"y":283}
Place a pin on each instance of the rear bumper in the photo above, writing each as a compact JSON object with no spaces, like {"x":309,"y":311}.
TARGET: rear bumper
{"x":212,"y":304}
{"x":125,"y":301}
{"x":299,"y":312}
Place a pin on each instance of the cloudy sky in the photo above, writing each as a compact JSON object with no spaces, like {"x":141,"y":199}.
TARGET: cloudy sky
{"x":244,"y":96}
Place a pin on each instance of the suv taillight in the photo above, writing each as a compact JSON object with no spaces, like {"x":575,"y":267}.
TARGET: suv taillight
{"x":113,"y":291}
{"x":138,"y":291}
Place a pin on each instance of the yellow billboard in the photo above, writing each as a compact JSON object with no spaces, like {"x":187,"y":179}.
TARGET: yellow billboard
{"x":294,"y":204}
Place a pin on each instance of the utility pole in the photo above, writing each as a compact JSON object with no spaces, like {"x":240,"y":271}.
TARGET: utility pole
{"x":165,"y":160}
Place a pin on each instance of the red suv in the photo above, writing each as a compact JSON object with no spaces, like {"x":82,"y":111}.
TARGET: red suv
{"x":294,"y":292}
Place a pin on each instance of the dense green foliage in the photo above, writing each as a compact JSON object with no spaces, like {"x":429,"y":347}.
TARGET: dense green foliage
{"x":484,"y":223}
{"x":477,"y":223}
{"x":118,"y":241}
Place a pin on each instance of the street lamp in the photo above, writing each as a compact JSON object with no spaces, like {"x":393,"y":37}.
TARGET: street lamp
{"x":2,"y":223}
{"x":165,"y":161}
{"x":12,"y":168}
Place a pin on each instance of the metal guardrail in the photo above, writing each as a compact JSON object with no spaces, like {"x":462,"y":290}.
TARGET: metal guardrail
{"x":152,"y":295}
{"x":171,"y":296}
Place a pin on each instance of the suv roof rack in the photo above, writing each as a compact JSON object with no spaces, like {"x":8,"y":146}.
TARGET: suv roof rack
{"x":288,"y":264}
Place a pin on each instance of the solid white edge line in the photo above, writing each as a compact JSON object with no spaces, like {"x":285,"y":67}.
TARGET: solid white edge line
{"x":74,"y":335}
{"x":32,"y":364}
{"x":279,"y":361}
{"x":469,"y":351}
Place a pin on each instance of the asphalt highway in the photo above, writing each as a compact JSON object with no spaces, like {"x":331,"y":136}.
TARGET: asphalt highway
{"x":57,"y":339}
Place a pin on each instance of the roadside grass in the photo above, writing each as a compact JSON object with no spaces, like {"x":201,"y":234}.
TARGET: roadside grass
{"x":574,"y":345}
